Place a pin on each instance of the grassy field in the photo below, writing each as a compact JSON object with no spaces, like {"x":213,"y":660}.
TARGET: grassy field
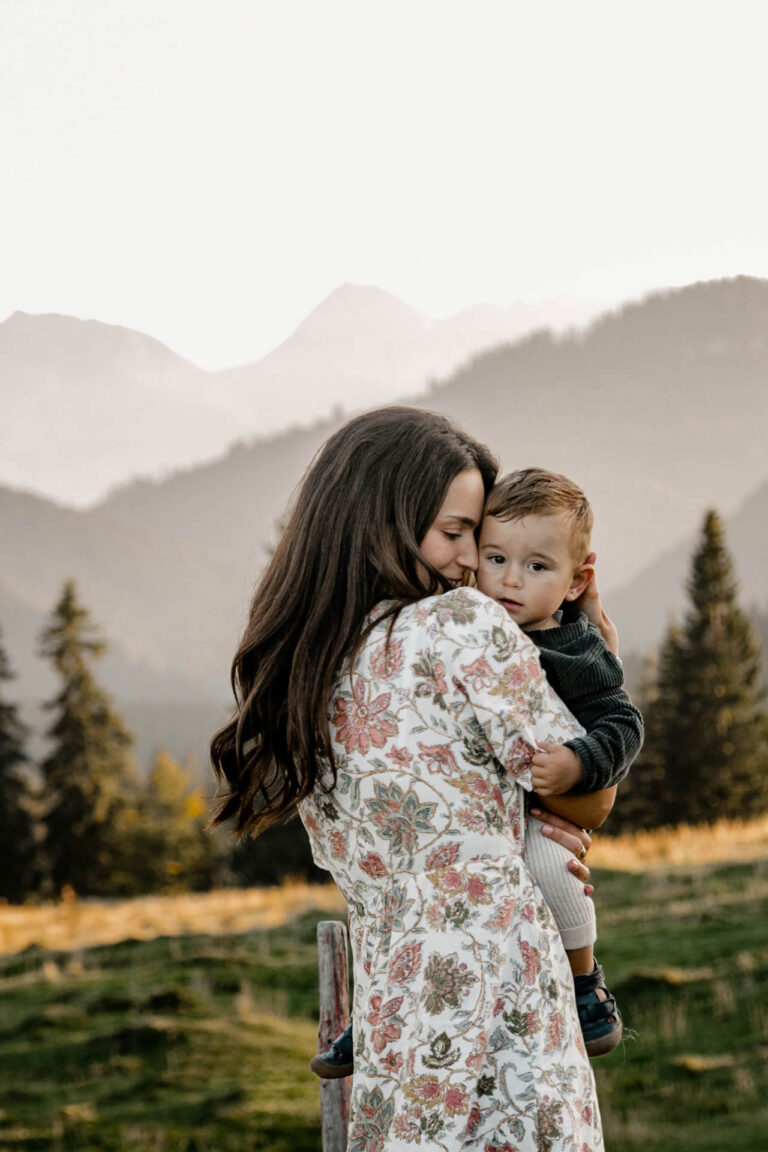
{"x":198,"y":1040}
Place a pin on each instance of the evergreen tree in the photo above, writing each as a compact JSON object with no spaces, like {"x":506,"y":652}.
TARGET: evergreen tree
{"x":706,"y":741}
{"x":17,"y":833}
{"x":88,"y":778}
{"x":172,"y":852}
{"x":641,"y":796}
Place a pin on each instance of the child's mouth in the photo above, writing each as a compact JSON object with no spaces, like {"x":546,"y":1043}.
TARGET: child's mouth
{"x":511,"y":605}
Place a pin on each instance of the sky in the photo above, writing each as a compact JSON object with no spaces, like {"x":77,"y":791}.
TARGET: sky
{"x":206,"y":171}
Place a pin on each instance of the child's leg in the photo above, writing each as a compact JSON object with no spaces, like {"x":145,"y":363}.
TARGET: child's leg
{"x":574,"y":915}
{"x":573,"y":911}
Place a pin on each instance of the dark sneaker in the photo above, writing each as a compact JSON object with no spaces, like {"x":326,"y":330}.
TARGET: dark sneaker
{"x":338,"y":1061}
{"x":600,"y":1019}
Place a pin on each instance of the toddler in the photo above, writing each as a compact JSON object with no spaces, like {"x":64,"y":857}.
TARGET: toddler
{"x":535,"y":560}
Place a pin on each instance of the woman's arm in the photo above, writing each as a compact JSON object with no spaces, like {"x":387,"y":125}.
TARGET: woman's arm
{"x":588,"y":809}
{"x":497,"y":668}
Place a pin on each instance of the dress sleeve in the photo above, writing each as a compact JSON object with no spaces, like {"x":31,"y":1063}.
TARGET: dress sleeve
{"x":492,"y":664}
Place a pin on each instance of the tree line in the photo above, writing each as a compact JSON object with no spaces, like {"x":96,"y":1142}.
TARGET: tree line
{"x":703,"y":698}
{"x":84,"y":819}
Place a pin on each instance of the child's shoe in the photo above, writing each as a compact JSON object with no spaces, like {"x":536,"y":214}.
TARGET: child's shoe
{"x":338,"y":1061}
{"x":600,"y":1020}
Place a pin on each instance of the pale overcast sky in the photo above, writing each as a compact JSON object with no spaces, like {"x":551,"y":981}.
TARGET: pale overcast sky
{"x":207,"y":170}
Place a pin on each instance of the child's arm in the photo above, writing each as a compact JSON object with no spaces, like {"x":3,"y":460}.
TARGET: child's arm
{"x":613,"y":739}
{"x":589,"y":678}
{"x":588,"y":811}
{"x":602,"y":757}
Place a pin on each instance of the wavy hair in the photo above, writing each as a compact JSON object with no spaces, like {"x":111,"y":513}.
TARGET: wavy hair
{"x":352,"y":539}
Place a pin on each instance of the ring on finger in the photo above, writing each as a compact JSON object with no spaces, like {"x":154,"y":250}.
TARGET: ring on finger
{"x":581,"y":852}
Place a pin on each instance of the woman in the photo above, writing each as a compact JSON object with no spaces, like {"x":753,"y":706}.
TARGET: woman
{"x":400,"y":711}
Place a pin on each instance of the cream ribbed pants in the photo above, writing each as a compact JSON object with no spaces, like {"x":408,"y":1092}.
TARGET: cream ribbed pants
{"x":573,"y":911}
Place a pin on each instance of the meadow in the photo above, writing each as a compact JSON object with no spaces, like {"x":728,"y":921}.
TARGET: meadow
{"x":184,"y":1024}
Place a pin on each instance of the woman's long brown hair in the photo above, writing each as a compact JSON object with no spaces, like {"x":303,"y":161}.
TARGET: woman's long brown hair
{"x":352,"y":540}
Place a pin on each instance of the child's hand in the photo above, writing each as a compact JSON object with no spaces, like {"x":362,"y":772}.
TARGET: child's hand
{"x":555,"y":769}
{"x":590,"y":603}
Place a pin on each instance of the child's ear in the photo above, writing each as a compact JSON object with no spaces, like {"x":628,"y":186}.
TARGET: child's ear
{"x":581,"y":578}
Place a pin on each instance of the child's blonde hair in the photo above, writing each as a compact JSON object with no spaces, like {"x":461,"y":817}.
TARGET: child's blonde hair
{"x":535,"y":491}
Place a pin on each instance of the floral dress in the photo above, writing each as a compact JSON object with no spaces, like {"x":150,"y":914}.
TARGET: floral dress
{"x":465,"y":1025}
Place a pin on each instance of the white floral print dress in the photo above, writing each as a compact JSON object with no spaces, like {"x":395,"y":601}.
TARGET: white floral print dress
{"x":466,"y":1033}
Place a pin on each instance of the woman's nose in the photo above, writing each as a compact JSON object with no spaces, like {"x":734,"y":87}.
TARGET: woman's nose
{"x":468,"y":558}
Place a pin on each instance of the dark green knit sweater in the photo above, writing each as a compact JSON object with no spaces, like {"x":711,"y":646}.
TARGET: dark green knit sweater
{"x":589,"y":679}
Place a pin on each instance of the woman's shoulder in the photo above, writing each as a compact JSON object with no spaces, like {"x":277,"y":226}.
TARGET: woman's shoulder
{"x":465,"y":609}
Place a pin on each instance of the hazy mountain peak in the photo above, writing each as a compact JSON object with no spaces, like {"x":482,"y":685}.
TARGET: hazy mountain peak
{"x":351,"y":305}
{"x":54,"y":338}
{"x":84,"y":404}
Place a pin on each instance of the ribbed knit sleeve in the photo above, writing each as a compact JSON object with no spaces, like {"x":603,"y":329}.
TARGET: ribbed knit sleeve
{"x":589,"y":679}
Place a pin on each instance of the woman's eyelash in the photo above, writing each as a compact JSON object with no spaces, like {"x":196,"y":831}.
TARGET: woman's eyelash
{"x":452,"y":535}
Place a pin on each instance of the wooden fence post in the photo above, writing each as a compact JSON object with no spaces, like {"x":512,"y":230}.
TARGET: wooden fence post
{"x":334,"y":1017}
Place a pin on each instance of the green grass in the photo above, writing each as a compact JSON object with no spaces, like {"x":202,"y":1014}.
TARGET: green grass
{"x":188,"y":1044}
{"x":200,"y":1044}
{"x":687,"y":955}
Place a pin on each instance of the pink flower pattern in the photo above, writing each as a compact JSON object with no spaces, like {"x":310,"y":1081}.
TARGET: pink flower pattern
{"x":387,"y":660}
{"x":466,"y":1034}
{"x":399,"y":756}
{"x":359,"y":723}
{"x":438,"y":758}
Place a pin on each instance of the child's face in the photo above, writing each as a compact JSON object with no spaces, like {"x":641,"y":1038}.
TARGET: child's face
{"x":528,"y":566}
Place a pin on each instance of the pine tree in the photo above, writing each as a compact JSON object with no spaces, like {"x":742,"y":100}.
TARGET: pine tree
{"x":707,"y":732}
{"x":17,"y":834}
{"x":642,"y":794}
{"x":88,"y":778}
{"x":172,"y":852}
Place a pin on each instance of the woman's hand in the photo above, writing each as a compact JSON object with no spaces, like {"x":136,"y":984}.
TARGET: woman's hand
{"x":590,"y":603}
{"x":575,"y":839}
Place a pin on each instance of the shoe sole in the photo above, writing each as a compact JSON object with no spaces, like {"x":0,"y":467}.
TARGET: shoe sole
{"x":327,"y":1071}
{"x":605,"y":1044}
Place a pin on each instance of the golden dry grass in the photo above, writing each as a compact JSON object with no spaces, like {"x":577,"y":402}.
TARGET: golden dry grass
{"x":75,"y":924}
{"x":72,"y":924}
{"x":725,"y":842}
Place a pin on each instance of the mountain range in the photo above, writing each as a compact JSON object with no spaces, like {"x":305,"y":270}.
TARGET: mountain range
{"x":85,"y":406}
{"x":659,"y":410}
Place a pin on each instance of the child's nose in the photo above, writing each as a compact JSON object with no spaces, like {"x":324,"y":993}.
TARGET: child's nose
{"x":513,"y":576}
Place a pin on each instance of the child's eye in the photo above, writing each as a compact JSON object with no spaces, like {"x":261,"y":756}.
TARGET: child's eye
{"x":536,"y":566}
{"x":496,"y":559}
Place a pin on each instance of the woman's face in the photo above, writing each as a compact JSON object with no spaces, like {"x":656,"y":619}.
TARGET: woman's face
{"x":450,"y":544}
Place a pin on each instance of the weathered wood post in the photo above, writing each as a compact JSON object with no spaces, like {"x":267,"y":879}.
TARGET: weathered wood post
{"x":334,"y":1017}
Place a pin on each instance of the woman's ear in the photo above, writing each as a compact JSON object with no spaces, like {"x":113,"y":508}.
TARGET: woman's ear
{"x":581,"y":578}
